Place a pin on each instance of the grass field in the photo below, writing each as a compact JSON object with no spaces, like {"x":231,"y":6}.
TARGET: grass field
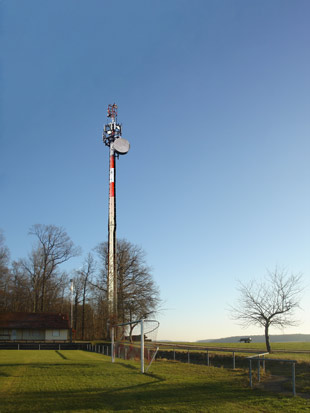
{"x":76,"y":381}
{"x":291,"y":346}
{"x":294,"y":351}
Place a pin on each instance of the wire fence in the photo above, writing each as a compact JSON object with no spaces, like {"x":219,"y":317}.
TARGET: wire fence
{"x":260,"y":367}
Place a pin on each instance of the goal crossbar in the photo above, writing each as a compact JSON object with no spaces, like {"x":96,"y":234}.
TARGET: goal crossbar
{"x":134,"y":322}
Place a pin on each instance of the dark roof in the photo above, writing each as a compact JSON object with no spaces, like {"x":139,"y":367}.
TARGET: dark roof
{"x":34,"y":320}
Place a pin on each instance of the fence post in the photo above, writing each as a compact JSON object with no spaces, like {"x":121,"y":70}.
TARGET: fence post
{"x":39,"y":346}
{"x":258,"y":370}
{"x":208,"y":360}
{"x":234,"y":361}
{"x":188,"y":357}
{"x":293,"y":379}
{"x":18,"y":346}
{"x":173,"y":354}
{"x":250,"y":372}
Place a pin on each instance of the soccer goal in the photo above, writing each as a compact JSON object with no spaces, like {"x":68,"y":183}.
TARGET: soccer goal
{"x":135,"y":340}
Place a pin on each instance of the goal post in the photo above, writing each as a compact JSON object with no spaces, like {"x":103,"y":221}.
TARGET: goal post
{"x":142,"y":345}
{"x":126,"y":344}
{"x":112,"y":344}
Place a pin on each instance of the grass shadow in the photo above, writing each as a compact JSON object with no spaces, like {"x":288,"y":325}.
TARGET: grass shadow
{"x":61,"y":355}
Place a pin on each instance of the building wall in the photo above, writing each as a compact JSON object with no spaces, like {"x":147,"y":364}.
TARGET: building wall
{"x":32,"y":334}
{"x":56,"y":335}
{"x":21,"y":334}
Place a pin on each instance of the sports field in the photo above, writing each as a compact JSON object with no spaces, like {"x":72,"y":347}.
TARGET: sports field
{"x":77,"y":381}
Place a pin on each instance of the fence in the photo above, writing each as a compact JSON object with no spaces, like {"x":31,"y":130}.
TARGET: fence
{"x":198,"y":355}
{"x":42,"y":346}
{"x":263,"y":359}
{"x":104,"y":349}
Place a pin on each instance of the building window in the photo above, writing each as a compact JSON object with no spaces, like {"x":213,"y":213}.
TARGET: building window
{"x":56,"y":333}
{"x":4,"y":334}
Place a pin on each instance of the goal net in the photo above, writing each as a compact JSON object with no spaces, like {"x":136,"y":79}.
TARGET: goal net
{"x":136,"y":340}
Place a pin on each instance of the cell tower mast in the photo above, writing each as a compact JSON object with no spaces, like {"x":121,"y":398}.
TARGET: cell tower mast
{"x":112,"y":137}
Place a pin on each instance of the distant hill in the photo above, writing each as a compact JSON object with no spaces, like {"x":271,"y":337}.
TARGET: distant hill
{"x":274,"y":338}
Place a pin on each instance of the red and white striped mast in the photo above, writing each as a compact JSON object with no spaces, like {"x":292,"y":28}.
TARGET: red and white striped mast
{"x":112,"y":137}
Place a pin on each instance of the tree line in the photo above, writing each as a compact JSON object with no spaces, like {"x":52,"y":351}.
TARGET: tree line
{"x":38,"y":284}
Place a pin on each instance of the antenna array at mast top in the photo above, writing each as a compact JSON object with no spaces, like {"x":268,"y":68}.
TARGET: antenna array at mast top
{"x":112,"y":133}
{"x":112,"y":130}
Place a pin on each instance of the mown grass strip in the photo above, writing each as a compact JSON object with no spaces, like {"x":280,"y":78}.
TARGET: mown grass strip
{"x":41,"y":381}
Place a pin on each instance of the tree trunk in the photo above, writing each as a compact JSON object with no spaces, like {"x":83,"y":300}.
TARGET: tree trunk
{"x":35,"y":301}
{"x":43,"y":296}
{"x":83,"y":315}
{"x":267,"y":337}
{"x":75,"y":313}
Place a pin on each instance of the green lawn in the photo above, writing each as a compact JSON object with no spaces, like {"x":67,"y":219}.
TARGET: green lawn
{"x":291,"y":346}
{"x":76,"y":381}
{"x":301,"y":351}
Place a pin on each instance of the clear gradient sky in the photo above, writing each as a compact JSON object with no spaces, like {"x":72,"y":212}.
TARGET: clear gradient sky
{"x":214,"y":97}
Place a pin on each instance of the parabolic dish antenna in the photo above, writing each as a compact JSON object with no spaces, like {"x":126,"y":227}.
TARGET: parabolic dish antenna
{"x":121,"y":146}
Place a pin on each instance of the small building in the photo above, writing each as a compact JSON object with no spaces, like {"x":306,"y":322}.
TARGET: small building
{"x":34,"y":327}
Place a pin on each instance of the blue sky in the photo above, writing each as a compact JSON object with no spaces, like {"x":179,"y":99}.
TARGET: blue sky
{"x":214,"y":99}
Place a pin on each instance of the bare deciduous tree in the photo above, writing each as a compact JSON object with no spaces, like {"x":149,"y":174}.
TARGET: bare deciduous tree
{"x":81,"y":282}
{"x":4,"y":273}
{"x":20,"y":294}
{"x":4,"y":255}
{"x":270,"y":302}
{"x":138,"y":295}
{"x":53,"y":248}
{"x":37,"y":284}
